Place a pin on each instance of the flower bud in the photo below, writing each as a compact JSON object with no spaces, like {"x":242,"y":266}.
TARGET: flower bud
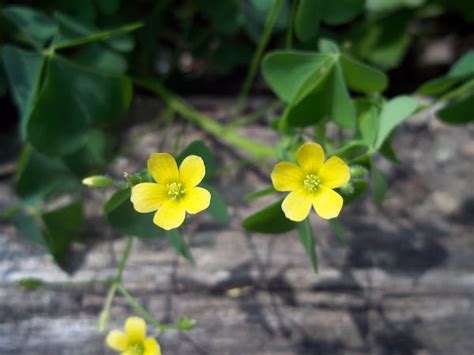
{"x":98,"y":181}
{"x":358,"y":172}
{"x":347,"y":189}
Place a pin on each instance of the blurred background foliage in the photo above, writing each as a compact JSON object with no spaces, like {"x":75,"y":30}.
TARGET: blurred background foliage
{"x":66,"y":69}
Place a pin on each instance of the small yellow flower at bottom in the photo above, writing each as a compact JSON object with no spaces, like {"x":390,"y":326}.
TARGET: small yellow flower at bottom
{"x":133,"y":341}
{"x":311,"y":183}
{"x":175,"y":192}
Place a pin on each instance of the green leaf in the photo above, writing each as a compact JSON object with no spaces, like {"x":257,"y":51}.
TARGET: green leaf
{"x":122,"y":217}
{"x":30,"y":283}
{"x":393,"y":113}
{"x":39,"y":175}
{"x":28,"y":226}
{"x":342,"y":11}
{"x":222,"y":14}
{"x":88,"y":99}
{"x":463,"y":66}
{"x":458,"y":112}
{"x":379,"y":184}
{"x":305,"y":233}
{"x":108,"y":7}
{"x":178,"y":242}
{"x":308,"y":17}
{"x":341,"y":109}
{"x":391,"y":5}
{"x":270,"y":220}
{"x":287,"y":72}
{"x":339,"y":231}
{"x":33,"y":26}
{"x":218,"y":207}
{"x":23,"y":70}
{"x":102,"y":59}
{"x":200,"y":149}
{"x":384,"y":40}
{"x":362,"y":78}
{"x":61,"y":227}
{"x":185,"y":323}
{"x":368,"y":125}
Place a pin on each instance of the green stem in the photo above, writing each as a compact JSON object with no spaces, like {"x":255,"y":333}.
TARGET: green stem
{"x":138,"y":307}
{"x":270,"y":21}
{"x":104,"y":314}
{"x":291,"y":22}
{"x":100,"y":36}
{"x":254,"y":116}
{"x":258,"y":151}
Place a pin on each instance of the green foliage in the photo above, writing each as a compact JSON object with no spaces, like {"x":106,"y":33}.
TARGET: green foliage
{"x":178,"y":242}
{"x":305,"y":233}
{"x":458,"y":112}
{"x":123,"y":218}
{"x":270,"y":220}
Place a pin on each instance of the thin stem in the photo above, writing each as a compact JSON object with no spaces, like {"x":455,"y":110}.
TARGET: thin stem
{"x":100,"y":36}
{"x":270,"y":21}
{"x":104,"y":314}
{"x":254,"y":116}
{"x":139,"y":308}
{"x":259,"y":151}
{"x":291,"y":21}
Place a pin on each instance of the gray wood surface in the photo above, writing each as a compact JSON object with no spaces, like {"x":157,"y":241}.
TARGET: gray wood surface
{"x":406,"y":286}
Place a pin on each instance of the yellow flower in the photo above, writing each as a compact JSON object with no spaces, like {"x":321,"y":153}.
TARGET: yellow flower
{"x":311,"y":183}
{"x":133,"y":341}
{"x":175,"y":191}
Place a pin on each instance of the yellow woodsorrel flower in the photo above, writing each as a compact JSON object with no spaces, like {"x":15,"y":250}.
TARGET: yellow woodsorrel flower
{"x":311,"y":183}
{"x":175,"y":191}
{"x":133,"y":341}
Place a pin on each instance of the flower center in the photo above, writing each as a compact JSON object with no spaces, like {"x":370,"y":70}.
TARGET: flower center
{"x":136,"y":349}
{"x":312,"y":182}
{"x":175,"y":190}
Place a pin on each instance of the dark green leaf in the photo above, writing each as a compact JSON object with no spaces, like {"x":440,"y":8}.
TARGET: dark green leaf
{"x":308,"y":17}
{"x":61,"y":227}
{"x":464,"y":66}
{"x":200,"y":149}
{"x":218,"y":207}
{"x":39,"y":175}
{"x":178,"y":242}
{"x":33,"y":25}
{"x":307,"y":239}
{"x":458,"y":112}
{"x":87,"y":99}
{"x":108,"y":7}
{"x":23,"y":71}
{"x":342,"y":11}
{"x":438,"y":86}
{"x":122,"y":217}
{"x":270,"y":220}
{"x":368,"y":126}
{"x":28,"y":226}
{"x":102,"y":58}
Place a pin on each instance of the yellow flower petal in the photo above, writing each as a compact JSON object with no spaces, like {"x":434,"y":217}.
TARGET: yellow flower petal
{"x":310,"y":157}
{"x":327,"y":203}
{"x":163,"y":168}
{"x":196,"y":200}
{"x":170,"y":215}
{"x":287,"y":177}
{"x":334,"y":173}
{"x":148,"y":197}
{"x":297,"y":205}
{"x":117,"y":340}
{"x":151,"y":347}
{"x":135,"y":327}
{"x":192,"y":171}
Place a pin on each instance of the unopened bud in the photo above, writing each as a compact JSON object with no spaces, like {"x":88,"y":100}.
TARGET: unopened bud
{"x":347,"y":189}
{"x":98,"y":181}
{"x":358,"y":172}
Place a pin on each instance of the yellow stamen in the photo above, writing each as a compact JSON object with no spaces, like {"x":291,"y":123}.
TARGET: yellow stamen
{"x":312,"y":182}
{"x":175,"y":190}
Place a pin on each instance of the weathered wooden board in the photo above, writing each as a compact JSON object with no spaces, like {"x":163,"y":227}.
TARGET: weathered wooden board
{"x":406,"y":286}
